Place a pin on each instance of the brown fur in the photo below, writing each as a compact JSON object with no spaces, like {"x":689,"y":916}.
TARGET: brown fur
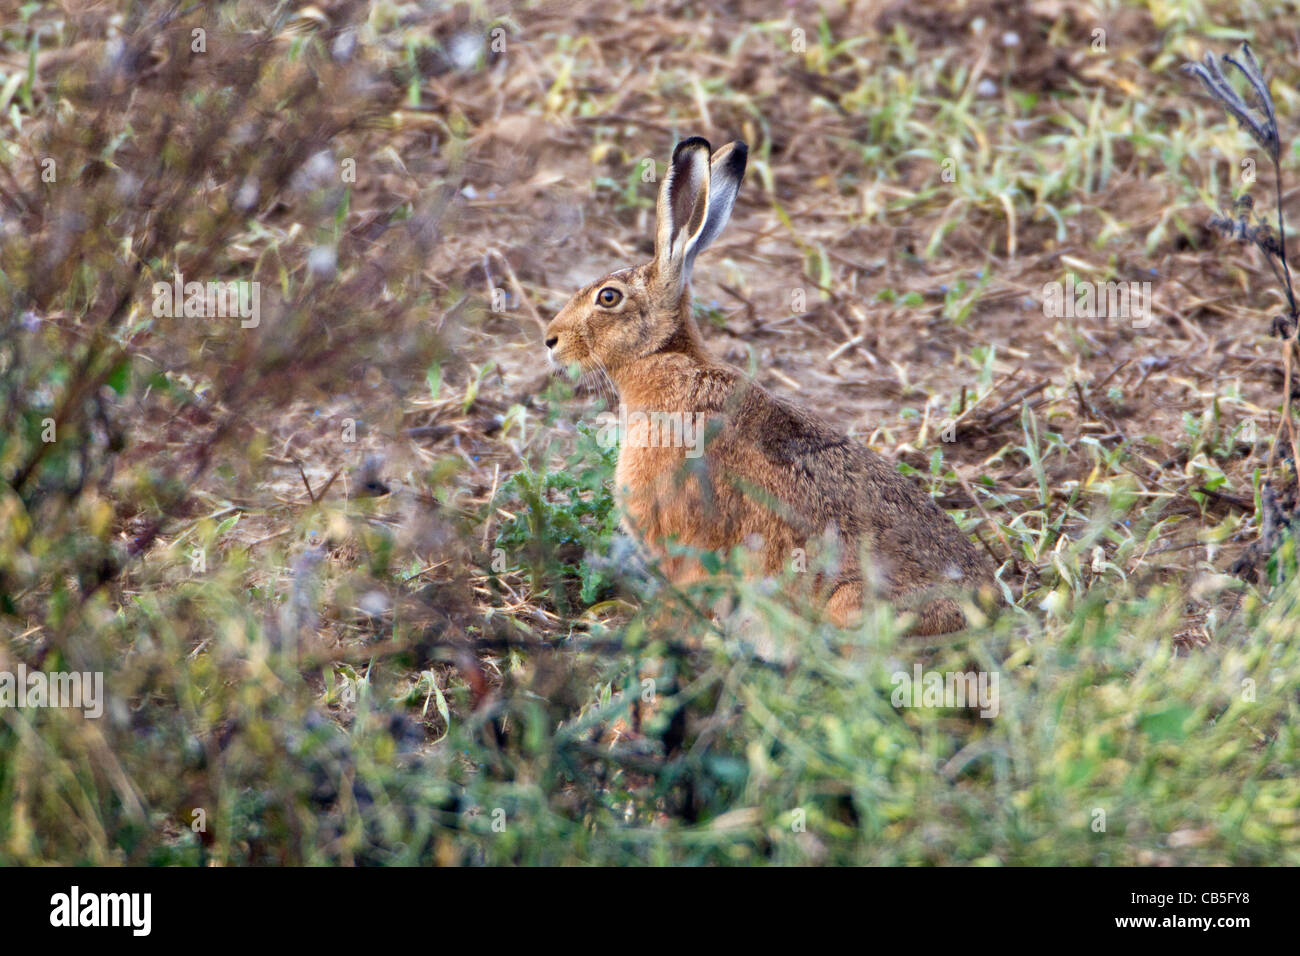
{"x":771,"y":474}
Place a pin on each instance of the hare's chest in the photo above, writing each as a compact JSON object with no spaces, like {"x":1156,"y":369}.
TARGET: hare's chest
{"x":645,"y":473}
{"x":653,"y":483}
{"x":668,"y":464}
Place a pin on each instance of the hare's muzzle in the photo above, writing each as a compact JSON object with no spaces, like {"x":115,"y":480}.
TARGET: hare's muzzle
{"x":551,"y":356}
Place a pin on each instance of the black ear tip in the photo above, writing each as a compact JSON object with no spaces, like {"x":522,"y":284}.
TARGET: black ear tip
{"x":738,"y":158}
{"x":692,"y":142}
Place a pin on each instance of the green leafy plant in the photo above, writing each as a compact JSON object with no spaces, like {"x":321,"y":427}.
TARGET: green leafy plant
{"x":563,"y":516}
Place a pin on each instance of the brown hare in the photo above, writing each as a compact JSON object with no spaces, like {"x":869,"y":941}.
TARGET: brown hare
{"x":761,"y":472}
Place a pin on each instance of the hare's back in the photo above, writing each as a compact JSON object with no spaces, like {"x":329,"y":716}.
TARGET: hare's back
{"x":827,"y":476}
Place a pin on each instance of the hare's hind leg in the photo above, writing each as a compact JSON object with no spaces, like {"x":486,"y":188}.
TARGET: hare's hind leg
{"x":844,"y":607}
{"x":937,"y":617}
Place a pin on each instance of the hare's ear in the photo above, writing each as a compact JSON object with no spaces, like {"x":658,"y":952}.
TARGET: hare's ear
{"x":695,"y":202}
{"x":726,"y":170}
{"x":683,"y":204}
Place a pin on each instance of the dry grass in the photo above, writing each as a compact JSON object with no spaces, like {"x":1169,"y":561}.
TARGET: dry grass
{"x":436,"y":570}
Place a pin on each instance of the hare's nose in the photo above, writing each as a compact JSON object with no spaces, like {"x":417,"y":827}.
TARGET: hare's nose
{"x":550,"y":343}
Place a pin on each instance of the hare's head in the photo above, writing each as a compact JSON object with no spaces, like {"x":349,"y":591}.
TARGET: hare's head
{"x":636,"y":312}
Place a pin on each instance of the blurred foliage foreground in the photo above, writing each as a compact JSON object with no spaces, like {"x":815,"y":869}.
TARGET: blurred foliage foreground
{"x":432,"y":726}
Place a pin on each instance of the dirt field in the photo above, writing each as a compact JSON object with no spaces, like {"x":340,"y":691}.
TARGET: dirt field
{"x":923,"y":299}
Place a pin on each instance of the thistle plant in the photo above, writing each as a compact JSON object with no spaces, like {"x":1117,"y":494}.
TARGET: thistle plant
{"x":1260,"y":121}
{"x":1258,"y":117}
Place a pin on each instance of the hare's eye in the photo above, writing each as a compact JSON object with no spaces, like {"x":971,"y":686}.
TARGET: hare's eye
{"x":609,"y":297}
